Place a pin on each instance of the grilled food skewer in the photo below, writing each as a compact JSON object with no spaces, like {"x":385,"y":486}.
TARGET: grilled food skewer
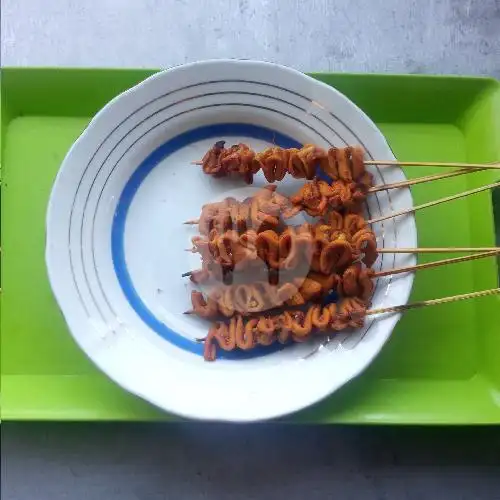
{"x":356,"y":282}
{"x":299,"y":326}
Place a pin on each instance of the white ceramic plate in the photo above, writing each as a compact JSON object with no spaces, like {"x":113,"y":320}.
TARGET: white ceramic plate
{"x":115,"y":238}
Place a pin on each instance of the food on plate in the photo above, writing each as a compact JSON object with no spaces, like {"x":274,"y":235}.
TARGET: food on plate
{"x":327,"y":247}
{"x":290,"y":325}
{"x":337,"y":250}
{"x":250,"y":298}
{"x":345,"y":164}
{"x":260,"y":211}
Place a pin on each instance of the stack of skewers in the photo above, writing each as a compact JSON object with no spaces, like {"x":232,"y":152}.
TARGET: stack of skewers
{"x":292,"y":270}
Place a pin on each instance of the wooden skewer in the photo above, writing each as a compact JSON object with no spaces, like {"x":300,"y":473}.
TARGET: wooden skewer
{"x":410,"y":183}
{"x":432,"y":302}
{"x":419,"y":180}
{"x":471,"y":166}
{"x":433,"y":203}
{"x":398,"y":270}
{"x":421,"y":303}
{"x":418,"y":250}
{"x":444,"y":164}
{"x":437,"y":250}
{"x":437,"y":263}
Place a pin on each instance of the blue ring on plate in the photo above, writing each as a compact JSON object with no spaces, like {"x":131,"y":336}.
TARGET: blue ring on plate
{"x":219,"y":131}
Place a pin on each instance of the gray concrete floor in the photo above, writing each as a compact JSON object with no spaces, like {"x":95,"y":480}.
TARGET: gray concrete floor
{"x":193,"y":461}
{"x":150,"y":462}
{"x":407,"y":36}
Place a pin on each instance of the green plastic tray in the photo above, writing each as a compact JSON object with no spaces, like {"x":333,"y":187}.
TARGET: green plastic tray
{"x":442,"y":364}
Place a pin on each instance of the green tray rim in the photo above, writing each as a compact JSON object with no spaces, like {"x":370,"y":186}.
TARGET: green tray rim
{"x":128,"y":412}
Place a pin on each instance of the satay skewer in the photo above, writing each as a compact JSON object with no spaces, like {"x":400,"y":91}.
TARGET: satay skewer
{"x":470,"y":166}
{"x":420,"y":180}
{"x":433,"y":203}
{"x":399,"y":185}
{"x":300,"y":326}
{"x":413,"y":182}
{"x":478,"y":253}
{"x":437,"y":263}
{"x":395,"y":163}
{"x":432,"y":302}
{"x":389,"y":186}
{"x":355,"y":282}
{"x":440,"y":164}
{"x":418,"y":250}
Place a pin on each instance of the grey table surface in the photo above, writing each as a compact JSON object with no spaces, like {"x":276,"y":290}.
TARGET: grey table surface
{"x":148,"y":462}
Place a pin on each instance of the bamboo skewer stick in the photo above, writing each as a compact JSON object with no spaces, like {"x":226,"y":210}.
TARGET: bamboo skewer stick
{"x":436,"y":263}
{"x":433,"y":203}
{"x":422,"y":303}
{"x":437,"y":250}
{"x":419,"y":180}
{"x":471,"y":166}
{"x":419,"y":250}
{"x":398,"y":270}
{"x":432,"y":302}
{"x":409,"y":183}
{"x":444,"y":164}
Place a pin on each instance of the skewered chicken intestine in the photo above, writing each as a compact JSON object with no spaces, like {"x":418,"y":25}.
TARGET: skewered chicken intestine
{"x":242,"y":299}
{"x":365,"y":242}
{"x":278,"y":250}
{"x":296,"y":325}
{"x":357,"y":281}
{"x":332,"y":255}
{"x":264,"y":210}
{"x":325,"y":251}
{"x":260,"y":296}
{"x":212,"y":273}
{"x":220,"y":161}
{"x":229,"y":249}
{"x":346,"y":164}
{"x":317,"y":197}
{"x":326,"y":248}
{"x":260,"y":211}
{"x":361,"y":237}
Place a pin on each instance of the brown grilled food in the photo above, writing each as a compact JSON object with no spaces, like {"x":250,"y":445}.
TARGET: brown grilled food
{"x":345,"y":164}
{"x":261,"y":296}
{"x":328,"y":247}
{"x":297,"y":326}
{"x":247,"y":299}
